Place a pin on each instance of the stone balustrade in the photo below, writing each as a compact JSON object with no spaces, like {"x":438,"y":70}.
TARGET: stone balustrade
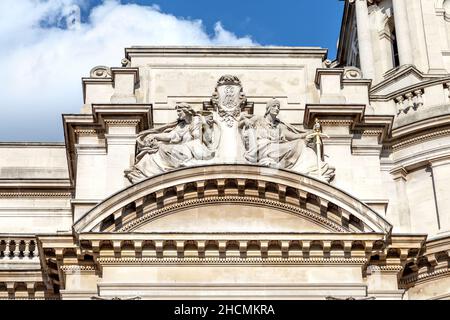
{"x":20,"y":247}
{"x":431,"y":265}
{"x":427,"y":99}
{"x":408,"y":101}
{"x":18,"y":253}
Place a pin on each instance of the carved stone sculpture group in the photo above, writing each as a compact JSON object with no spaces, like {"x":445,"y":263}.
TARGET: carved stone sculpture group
{"x":227,"y":134}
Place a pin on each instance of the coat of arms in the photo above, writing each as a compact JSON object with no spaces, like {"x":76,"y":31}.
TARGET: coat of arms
{"x":228,"y":99}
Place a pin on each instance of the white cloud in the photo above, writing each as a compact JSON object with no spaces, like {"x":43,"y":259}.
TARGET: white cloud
{"x":46,"y":50}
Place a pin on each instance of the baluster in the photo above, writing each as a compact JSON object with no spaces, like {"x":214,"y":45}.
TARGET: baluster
{"x":410,"y":102}
{"x":26,"y":250}
{"x":7,"y":249}
{"x":17,"y":248}
{"x":400,"y":101}
{"x":419,"y":99}
{"x":36,"y":249}
{"x":447,"y":87}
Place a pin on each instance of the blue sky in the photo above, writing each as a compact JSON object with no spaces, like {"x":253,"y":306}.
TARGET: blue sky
{"x":268,"y":22}
{"x":48,"y":45}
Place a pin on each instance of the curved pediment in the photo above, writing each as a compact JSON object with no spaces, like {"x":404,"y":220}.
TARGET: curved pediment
{"x":231,"y":198}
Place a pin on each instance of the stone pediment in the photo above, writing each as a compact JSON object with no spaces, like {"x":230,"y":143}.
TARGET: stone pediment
{"x":400,"y":79}
{"x":231,"y":198}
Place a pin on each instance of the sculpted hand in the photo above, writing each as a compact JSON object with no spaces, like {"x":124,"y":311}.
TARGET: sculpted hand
{"x":149,"y":141}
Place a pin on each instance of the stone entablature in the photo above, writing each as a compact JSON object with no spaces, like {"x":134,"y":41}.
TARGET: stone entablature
{"x":205,"y":251}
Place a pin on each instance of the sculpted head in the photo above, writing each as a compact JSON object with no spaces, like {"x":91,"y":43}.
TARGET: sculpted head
{"x":184,"y":110}
{"x":272,"y":107}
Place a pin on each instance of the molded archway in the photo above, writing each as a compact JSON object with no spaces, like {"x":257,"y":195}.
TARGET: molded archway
{"x":221,"y":194}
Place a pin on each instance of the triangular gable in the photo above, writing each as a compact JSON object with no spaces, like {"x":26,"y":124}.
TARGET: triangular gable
{"x":400,"y":79}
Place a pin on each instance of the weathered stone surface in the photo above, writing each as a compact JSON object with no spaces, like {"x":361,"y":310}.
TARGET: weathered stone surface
{"x":285,"y":175}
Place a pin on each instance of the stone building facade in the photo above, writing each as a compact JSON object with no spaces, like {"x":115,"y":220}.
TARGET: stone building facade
{"x":246,"y":172}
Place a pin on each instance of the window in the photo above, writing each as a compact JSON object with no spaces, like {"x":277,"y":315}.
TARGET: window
{"x":395,"y":58}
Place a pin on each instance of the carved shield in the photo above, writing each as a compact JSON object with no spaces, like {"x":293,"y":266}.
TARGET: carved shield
{"x":228,"y":98}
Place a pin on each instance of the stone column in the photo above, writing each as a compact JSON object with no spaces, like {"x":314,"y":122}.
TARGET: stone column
{"x":364,"y":39}
{"x":402,"y":32}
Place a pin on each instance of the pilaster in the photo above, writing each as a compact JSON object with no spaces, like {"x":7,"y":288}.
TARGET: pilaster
{"x":441,"y":176}
{"x":402,"y":220}
{"x":124,"y":82}
{"x":120,"y":141}
{"x":330,"y":84}
{"x":382,"y":281}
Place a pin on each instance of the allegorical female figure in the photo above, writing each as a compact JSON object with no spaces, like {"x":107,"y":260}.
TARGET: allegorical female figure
{"x":175,"y":145}
{"x":269,"y":141}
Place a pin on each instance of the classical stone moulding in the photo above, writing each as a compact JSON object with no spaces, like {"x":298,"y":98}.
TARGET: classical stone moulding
{"x":373,"y":252}
{"x":227,"y":133}
{"x":352,"y":73}
{"x":100,"y":72}
{"x":240,"y":184}
{"x":430,"y":266}
{"x":403,"y":143}
{"x":35,"y":194}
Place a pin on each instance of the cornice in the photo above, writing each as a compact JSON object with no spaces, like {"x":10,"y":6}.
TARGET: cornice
{"x":411,"y":161}
{"x":228,"y":249}
{"x":125,"y":70}
{"x":86,"y":132}
{"x":31,"y":186}
{"x":122,"y":112}
{"x":411,"y":88}
{"x":122,"y":122}
{"x":419,"y":139}
{"x":324,"y":112}
{"x":336,"y":122}
{"x":431,"y":265}
{"x":415,"y":279}
{"x":232,"y":261}
{"x":328,"y":71}
{"x":421,"y":126}
{"x":78,"y":269}
{"x":35,"y":194}
{"x":193,"y":51}
{"x":351,"y":115}
{"x":56,"y":145}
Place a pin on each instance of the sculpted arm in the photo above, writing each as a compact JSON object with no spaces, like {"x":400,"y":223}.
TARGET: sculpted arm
{"x":165,"y":136}
{"x":246,"y":120}
{"x":293,"y":136}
